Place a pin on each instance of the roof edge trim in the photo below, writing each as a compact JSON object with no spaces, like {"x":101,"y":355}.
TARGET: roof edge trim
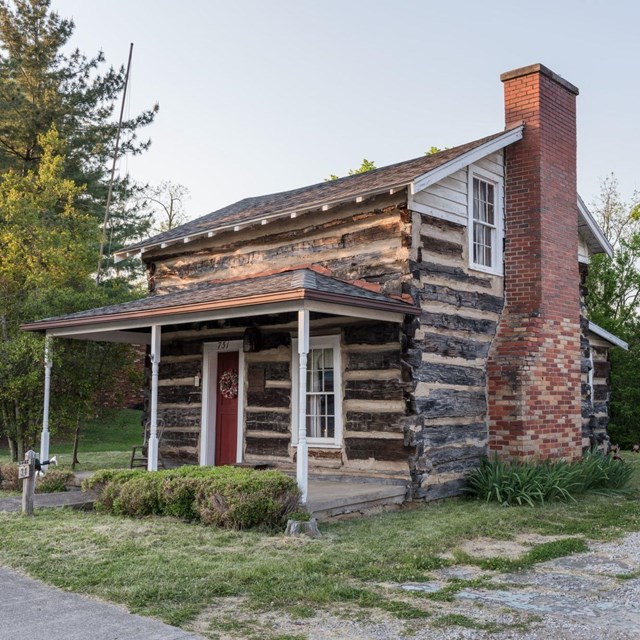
{"x":594,"y":227}
{"x":609,"y":337}
{"x":445,"y":170}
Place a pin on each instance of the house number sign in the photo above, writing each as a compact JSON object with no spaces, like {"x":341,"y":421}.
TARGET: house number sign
{"x":24,"y":471}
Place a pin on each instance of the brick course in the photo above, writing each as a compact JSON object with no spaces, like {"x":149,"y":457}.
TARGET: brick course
{"x":534,"y":387}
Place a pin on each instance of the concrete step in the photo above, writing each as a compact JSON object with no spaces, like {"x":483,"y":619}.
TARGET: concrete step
{"x":327,"y":500}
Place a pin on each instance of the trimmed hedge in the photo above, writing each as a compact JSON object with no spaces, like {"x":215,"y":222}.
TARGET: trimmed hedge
{"x":54,"y":480}
{"x":9,"y":477}
{"x":228,"y":497}
{"x":518,"y":483}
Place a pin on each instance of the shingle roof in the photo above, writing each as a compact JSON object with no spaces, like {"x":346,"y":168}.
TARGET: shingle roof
{"x":223,"y":294}
{"x":256,"y":208}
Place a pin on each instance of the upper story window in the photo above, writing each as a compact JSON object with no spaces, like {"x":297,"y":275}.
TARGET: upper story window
{"x":485,"y":224}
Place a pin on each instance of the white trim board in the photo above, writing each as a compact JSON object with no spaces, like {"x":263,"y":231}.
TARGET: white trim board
{"x":208,"y":416}
{"x":609,"y":337}
{"x":445,"y":170}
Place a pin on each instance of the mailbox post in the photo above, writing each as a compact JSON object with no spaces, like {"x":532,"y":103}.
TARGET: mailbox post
{"x":27,"y":473}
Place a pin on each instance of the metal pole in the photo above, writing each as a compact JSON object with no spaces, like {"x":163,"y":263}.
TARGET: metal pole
{"x":44,"y":436}
{"x":113,"y":168}
{"x":152,"y":453}
{"x":302,"y":469}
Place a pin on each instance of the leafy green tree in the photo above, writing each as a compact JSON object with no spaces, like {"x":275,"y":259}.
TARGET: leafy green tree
{"x":613,"y":303}
{"x":43,"y":84}
{"x":366,"y":165}
{"x":47,"y":259}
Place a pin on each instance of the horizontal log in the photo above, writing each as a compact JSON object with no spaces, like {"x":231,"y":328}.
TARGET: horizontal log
{"x":182,"y":347}
{"x":453,"y":347}
{"x":267,"y":446}
{"x":367,"y":421}
{"x":268,"y":421}
{"x":185,"y":369}
{"x":392,"y":450}
{"x":181,"y":395}
{"x":373,"y":390}
{"x":180,"y":417}
{"x":601,"y":392}
{"x":450,"y":374}
{"x":451,"y":434}
{"x":373,"y":333}
{"x":372,"y":360}
{"x":458,"y":323}
{"x":441,"y":491}
{"x":448,"y":272}
{"x":470,"y":299}
{"x":270,"y":397}
{"x":601,"y":369}
{"x":272,"y":370}
{"x":441,"y":247}
{"x":452,"y":403}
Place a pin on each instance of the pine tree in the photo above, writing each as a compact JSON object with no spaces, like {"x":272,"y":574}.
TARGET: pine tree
{"x":43,"y":86}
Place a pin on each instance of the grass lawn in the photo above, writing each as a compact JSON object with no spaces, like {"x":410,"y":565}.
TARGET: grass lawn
{"x":105,"y":443}
{"x":185,"y":573}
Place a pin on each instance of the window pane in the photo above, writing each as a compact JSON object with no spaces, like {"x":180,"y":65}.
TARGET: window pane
{"x":320,"y":394}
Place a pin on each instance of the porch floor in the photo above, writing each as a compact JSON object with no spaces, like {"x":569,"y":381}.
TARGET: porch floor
{"x":328,"y":498}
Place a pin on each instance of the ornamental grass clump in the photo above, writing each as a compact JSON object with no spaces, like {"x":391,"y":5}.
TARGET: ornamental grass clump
{"x":9,"y":477}
{"x":226,"y":497}
{"x":529,"y":482}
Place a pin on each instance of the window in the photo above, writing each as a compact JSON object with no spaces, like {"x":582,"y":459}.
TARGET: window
{"x":485,"y":220}
{"x":324,"y":392}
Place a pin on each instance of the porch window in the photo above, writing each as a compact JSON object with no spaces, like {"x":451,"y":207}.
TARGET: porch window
{"x":485,"y":224}
{"x":324,"y":392}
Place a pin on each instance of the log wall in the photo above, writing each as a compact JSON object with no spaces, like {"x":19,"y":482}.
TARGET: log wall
{"x":366,"y":241}
{"x":447,"y":350}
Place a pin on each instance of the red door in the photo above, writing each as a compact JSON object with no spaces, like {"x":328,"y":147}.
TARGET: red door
{"x":226,"y":411}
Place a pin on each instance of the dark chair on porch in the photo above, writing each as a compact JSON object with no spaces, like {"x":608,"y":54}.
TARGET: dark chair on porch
{"x":140,"y":453}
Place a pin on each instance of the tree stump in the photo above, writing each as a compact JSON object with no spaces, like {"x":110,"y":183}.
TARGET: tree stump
{"x":308,"y":528}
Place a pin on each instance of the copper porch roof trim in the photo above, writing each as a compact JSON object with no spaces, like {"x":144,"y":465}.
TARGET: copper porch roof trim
{"x":300,"y":284}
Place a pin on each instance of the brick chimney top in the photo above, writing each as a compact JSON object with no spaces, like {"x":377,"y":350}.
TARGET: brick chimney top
{"x":539,"y":68}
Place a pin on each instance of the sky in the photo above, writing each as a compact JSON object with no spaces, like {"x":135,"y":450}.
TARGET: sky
{"x":260,"y":96}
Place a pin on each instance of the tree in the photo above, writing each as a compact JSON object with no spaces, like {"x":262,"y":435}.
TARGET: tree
{"x":366,"y":165}
{"x":166,"y":204}
{"x":41,"y":85}
{"x":613,"y":286}
{"x":47,"y":258}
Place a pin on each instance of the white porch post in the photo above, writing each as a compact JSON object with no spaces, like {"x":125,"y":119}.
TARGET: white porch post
{"x":44,"y":436}
{"x":303,"y":450}
{"x":152,"y":453}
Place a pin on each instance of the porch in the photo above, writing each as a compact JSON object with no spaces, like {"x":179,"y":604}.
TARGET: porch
{"x":326,"y":499}
{"x":284,"y":399}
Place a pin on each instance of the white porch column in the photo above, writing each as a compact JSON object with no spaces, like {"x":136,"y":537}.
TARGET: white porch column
{"x":44,"y":436}
{"x":303,"y":450}
{"x":152,"y":453}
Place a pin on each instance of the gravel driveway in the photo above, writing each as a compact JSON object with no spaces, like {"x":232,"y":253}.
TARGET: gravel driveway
{"x":585,"y":596}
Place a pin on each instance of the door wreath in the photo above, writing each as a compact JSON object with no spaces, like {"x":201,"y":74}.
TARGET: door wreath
{"x":228,"y":384}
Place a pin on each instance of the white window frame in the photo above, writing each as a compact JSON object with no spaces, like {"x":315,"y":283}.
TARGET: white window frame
{"x":320,"y":342}
{"x":498,"y":189}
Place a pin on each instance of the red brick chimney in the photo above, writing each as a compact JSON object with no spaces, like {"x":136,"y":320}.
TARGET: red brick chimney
{"x":534,"y":364}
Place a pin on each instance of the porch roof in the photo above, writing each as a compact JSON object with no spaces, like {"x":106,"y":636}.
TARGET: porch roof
{"x":286,"y":291}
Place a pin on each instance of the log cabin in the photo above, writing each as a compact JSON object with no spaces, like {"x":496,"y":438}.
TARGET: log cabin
{"x":394,"y":326}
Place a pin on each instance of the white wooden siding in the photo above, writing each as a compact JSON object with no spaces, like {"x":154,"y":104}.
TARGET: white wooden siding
{"x":448,"y":198}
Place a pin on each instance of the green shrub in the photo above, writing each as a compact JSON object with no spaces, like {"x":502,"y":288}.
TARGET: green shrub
{"x":227,"y":497}
{"x":9,"y":477}
{"x":54,"y":480}
{"x":518,"y":483}
{"x":247,"y":499}
{"x":139,"y":496}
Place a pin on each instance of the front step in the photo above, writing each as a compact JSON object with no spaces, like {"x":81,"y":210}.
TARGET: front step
{"x":328,"y":500}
